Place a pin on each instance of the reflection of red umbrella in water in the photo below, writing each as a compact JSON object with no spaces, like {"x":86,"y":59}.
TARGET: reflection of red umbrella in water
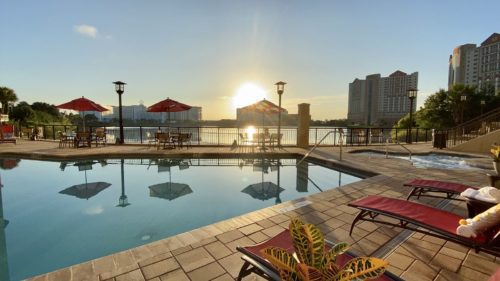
{"x":82,"y":104}
{"x":168,"y":105}
{"x":7,"y":164}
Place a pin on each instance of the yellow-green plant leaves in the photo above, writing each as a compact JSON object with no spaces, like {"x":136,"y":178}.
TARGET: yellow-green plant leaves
{"x":282,"y":260}
{"x":362,"y":268}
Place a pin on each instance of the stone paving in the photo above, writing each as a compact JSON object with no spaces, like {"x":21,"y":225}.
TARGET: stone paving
{"x":209,"y":253}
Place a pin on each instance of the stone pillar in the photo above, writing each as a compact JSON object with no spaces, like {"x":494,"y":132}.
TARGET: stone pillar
{"x":303,"y":126}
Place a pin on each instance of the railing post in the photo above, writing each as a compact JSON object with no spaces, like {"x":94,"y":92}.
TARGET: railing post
{"x":397,"y":134}
{"x":416,"y":138}
{"x":140,"y":133}
{"x":218,"y":131}
{"x":351,"y":135}
{"x":367,"y":131}
{"x":334,"y":136}
{"x":316,"y":136}
{"x":426,"y":131}
{"x":53,"y":132}
{"x":199,"y":138}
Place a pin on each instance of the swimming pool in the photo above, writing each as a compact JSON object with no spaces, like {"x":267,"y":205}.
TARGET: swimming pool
{"x":432,"y":160}
{"x":61,"y":213}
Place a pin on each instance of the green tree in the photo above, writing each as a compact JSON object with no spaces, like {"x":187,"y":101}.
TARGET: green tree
{"x":7,"y":96}
{"x":22,"y":113}
{"x":45,"y":107}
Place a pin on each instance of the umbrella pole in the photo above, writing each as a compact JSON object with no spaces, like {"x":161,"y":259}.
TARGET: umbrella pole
{"x":83,"y":118}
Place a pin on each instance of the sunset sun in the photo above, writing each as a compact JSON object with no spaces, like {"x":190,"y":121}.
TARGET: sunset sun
{"x":247,"y":94}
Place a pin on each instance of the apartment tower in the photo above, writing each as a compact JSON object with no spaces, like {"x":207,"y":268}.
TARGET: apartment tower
{"x":380,"y":101}
{"x":476,"y":66}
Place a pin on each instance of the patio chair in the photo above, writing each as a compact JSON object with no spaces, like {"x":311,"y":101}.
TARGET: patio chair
{"x":184,"y":139}
{"x":82,"y":139}
{"x":164,"y":139}
{"x":64,"y":140}
{"x":100,"y":137}
{"x":7,"y":134}
{"x":274,"y":139}
{"x":424,"y":219}
{"x":151,"y":139}
{"x":255,"y":263}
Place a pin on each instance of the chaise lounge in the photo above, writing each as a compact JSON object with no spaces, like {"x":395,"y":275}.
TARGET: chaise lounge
{"x":421,"y":187}
{"x":424,"y":219}
{"x":6,"y":134}
{"x":254,"y":262}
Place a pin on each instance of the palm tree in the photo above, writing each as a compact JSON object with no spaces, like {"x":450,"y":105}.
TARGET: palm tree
{"x":7,"y":96}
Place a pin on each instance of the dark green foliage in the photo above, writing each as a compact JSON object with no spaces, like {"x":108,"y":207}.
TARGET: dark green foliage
{"x":45,"y":107}
{"x":7,"y":96}
{"x":444,"y":109}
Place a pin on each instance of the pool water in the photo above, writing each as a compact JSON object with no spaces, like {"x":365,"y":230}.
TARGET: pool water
{"x":432,"y":160}
{"x":58,"y":214}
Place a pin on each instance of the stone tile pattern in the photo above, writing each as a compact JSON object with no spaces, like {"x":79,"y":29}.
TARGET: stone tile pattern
{"x":209,"y":253}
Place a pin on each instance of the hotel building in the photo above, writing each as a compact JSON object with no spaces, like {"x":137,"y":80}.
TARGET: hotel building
{"x":476,"y":66}
{"x":380,"y":100}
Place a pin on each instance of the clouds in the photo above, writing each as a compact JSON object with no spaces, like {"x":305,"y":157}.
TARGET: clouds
{"x":86,"y":30}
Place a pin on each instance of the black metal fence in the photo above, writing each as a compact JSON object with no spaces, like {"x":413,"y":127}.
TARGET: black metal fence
{"x":225,"y":136}
{"x":471,"y":129}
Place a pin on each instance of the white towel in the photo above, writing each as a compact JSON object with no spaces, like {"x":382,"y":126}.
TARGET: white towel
{"x":487,"y":194}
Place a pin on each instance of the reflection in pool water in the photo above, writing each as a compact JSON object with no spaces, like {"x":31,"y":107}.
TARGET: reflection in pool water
{"x":65,"y":213}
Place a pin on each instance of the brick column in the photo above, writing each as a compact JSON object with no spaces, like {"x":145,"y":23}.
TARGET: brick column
{"x":303,"y":126}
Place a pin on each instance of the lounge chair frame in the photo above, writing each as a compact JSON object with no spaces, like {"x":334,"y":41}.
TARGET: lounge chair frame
{"x":258,"y":265}
{"x":421,"y":188}
{"x":372,"y":215}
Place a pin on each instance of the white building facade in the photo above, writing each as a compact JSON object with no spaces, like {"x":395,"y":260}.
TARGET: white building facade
{"x":381,"y":101}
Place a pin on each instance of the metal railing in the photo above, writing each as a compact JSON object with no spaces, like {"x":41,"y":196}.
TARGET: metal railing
{"x":225,"y":136}
{"x":316,"y":145}
{"x":471,"y":129}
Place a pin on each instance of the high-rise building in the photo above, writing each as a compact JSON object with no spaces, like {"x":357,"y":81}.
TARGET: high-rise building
{"x":380,"y":100}
{"x":476,"y":66}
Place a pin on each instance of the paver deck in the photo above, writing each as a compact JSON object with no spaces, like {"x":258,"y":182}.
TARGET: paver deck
{"x":209,"y":253}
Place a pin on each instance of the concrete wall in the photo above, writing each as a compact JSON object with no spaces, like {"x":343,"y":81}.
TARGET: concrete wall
{"x":481,"y":144}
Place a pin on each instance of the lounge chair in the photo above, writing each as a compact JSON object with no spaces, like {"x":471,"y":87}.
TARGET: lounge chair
{"x":424,"y":219}
{"x":7,"y":134}
{"x":254,"y":262}
{"x":420,"y":187}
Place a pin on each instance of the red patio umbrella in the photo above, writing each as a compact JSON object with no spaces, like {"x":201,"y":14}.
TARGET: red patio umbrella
{"x":168,"y":105}
{"x":82,"y":104}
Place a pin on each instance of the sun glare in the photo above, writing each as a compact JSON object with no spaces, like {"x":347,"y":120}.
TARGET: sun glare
{"x":247,"y":94}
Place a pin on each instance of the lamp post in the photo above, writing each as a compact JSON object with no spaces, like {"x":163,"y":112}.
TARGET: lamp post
{"x":120,"y":88}
{"x":483,"y":103}
{"x":463,"y":99}
{"x":280,"y":88}
{"x":412,"y":94}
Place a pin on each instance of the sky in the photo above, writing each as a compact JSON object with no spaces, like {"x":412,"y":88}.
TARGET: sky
{"x":202,"y":52}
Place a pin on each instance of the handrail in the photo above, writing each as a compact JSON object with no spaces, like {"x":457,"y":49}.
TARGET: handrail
{"x":322,"y":139}
{"x":409,"y":151}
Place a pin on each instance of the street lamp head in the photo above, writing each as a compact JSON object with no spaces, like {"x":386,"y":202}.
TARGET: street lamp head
{"x":412,"y":93}
{"x":483,"y":102}
{"x":119,"y":87}
{"x":463,"y":97}
{"x":280,"y":87}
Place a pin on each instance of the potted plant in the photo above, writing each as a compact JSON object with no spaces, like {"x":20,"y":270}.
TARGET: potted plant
{"x":495,"y":151}
{"x":311,"y":262}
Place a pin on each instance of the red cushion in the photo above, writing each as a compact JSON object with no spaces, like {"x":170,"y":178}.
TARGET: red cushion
{"x":283,"y":240}
{"x":442,"y":185}
{"x":495,"y":276}
{"x":433,"y":218}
